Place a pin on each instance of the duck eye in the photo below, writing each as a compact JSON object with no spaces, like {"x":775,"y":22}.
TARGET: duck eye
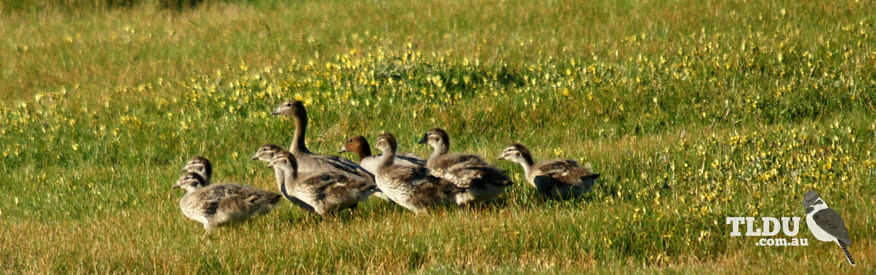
{"x":288,"y":104}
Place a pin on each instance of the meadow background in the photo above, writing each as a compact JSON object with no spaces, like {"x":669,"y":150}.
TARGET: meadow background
{"x":691,"y":110}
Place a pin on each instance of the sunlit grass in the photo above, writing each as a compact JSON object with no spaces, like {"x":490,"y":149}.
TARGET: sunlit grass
{"x":697,"y":112}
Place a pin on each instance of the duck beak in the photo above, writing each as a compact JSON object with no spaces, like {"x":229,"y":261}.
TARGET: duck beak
{"x":275,"y":113}
{"x":424,"y":139}
{"x":255,"y":157}
{"x":501,"y":158}
{"x":342,"y":150}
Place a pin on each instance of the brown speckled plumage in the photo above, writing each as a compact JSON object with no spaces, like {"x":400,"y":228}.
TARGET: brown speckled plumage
{"x":216,"y":205}
{"x":323,"y":192}
{"x":412,"y":187}
{"x":558,"y":179}
{"x":482,"y":180}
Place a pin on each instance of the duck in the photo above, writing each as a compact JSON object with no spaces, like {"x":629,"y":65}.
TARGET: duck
{"x":324,"y":192}
{"x":412,"y":187}
{"x":482,"y":180}
{"x":218,"y":204}
{"x":359,"y":146}
{"x":200,"y":165}
{"x":309,"y":162}
{"x":266,"y":154}
{"x":558,"y":179}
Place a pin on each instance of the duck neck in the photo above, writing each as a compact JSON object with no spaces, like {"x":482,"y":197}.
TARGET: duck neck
{"x":387,"y":158}
{"x":279,"y":177}
{"x":527,"y":166}
{"x":289,"y":175}
{"x":300,"y":129}
{"x":526,"y":162}
{"x":436,"y":153}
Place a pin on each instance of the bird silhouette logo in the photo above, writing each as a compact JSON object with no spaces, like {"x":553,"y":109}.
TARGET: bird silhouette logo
{"x":825,"y":224}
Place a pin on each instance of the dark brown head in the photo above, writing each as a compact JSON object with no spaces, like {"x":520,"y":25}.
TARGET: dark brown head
{"x":293,"y":109}
{"x":358,"y":145}
{"x":437,"y":138}
{"x":266,"y":153}
{"x":386,"y":142}
{"x":518,"y":153}
{"x":200,"y":165}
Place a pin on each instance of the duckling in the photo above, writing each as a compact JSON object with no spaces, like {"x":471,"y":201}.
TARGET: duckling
{"x":309,"y":162}
{"x":558,"y":179}
{"x":266,"y":154}
{"x":200,"y":165}
{"x":359,"y":146}
{"x":482,"y":181}
{"x":324,"y":192}
{"x":412,"y":187}
{"x":216,"y":205}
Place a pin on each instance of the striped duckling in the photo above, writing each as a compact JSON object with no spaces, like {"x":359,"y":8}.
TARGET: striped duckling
{"x":412,"y":187}
{"x":359,"y":146}
{"x":266,"y":154}
{"x":482,"y":181}
{"x":200,"y":165}
{"x":323,"y":192}
{"x":558,"y":179}
{"x":218,"y":204}
{"x":309,"y":162}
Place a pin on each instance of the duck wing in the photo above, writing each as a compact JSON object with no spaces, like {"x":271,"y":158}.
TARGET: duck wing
{"x":233,"y":199}
{"x":410,"y":160}
{"x":332,"y":188}
{"x":563,"y":178}
{"x":432,"y":190}
{"x":312,"y":163}
{"x":448,"y":162}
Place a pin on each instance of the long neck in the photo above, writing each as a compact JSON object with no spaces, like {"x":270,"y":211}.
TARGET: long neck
{"x":387,"y":158}
{"x":527,"y":166}
{"x":206,"y":174}
{"x":287,"y":178}
{"x":279,"y":177}
{"x":438,"y":151}
{"x":300,"y":128}
{"x":290,"y":174}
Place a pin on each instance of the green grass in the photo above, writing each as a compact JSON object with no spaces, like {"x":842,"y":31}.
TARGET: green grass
{"x":692,"y":111}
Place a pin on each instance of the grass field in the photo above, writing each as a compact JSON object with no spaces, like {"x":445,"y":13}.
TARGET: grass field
{"x":692,"y":111}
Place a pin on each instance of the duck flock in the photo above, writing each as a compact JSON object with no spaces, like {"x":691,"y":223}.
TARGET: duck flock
{"x":324,"y":184}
